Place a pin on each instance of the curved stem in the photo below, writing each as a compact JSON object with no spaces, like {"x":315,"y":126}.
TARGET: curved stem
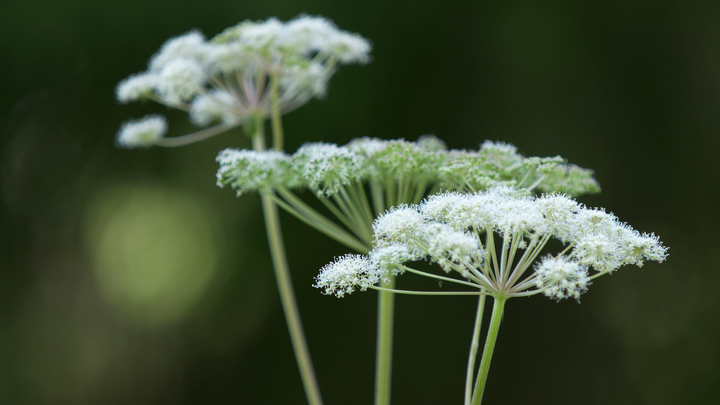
{"x":474,"y":346}
{"x":282,"y":275}
{"x":537,"y":182}
{"x":196,"y":136}
{"x":383,"y":353}
{"x":493,"y":329}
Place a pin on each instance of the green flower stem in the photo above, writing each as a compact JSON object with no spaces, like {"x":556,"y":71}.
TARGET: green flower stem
{"x":282,"y":275}
{"x":503,"y":261}
{"x":597,"y":275}
{"x":347,"y":221}
{"x":195,"y":136}
{"x":401,"y":183}
{"x":469,"y":189}
{"x":322,"y":225}
{"x":516,"y":238}
{"x":365,"y":200}
{"x":527,"y":174}
{"x":523,"y":266}
{"x":363,"y":221}
{"x":490,"y":247}
{"x":320,"y":221}
{"x":386,"y":308}
{"x":493,"y":329}
{"x":377,"y":197}
{"x":179,"y":106}
{"x":348,"y":208}
{"x":434,"y":293}
{"x":390,"y":193}
{"x":346,"y":204}
{"x":385,"y":317}
{"x":276,"y":121}
{"x":528,"y":252}
{"x":435,"y":276}
{"x":537,"y":183}
{"x":357,"y":193}
{"x":419,"y":192}
{"x":336,"y":211}
{"x":383,"y":354}
{"x":474,"y":346}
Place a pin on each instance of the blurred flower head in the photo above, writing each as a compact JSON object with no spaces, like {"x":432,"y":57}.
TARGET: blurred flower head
{"x":233,"y":76}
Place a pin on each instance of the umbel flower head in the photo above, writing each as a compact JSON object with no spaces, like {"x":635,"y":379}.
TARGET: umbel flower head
{"x":458,"y":232}
{"x":327,"y":168}
{"x":240,"y":72}
{"x":143,"y":132}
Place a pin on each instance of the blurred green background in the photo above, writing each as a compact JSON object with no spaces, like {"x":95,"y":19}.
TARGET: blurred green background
{"x":129,"y":277}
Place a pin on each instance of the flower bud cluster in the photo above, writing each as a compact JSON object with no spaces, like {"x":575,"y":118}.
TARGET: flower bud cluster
{"x":500,"y":163}
{"x":325,"y":168}
{"x":248,"y":170}
{"x":227,"y":78}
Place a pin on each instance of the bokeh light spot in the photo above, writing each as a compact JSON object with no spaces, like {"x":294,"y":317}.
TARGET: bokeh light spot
{"x":154,"y":250}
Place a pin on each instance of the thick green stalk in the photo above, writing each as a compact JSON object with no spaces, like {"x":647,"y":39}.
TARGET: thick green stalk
{"x":383,"y":356}
{"x":474,"y":346}
{"x":282,"y":276}
{"x":493,"y":329}
{"x":385,"y":319}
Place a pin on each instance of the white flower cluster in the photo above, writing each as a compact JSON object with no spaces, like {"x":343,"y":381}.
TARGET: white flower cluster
{"x":228,"y":78}
{"x":446,"y":229}
{"x":144,"y":132}
{"x":403,"y":235}
{"x":346,"y":274}
{"x":559,"y":278}
{"x":251,"y":170}
{"x":325,"y":168}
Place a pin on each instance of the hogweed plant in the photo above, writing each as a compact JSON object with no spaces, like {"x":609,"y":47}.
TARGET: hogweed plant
{"x":371,"y":187}
{"x":360,"y":180}
{"x":492,"y":242}
{"x":247,"y":73}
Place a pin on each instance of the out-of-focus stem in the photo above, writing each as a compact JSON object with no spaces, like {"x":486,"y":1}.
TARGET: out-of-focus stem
{"x":276,"y":121}
{"x":196,"y":136}
{"x":474,"y":346}
{"x":284,"y":283}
